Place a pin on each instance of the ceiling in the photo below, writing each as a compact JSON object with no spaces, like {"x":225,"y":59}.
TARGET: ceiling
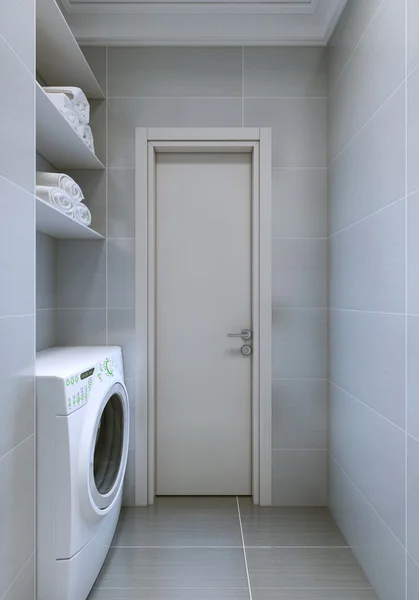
{"x":203,"y":22}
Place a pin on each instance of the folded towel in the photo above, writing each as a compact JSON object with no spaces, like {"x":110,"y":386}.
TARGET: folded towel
{"x":56,"y":197}
{"x":77,"y":96}
{"x":60,"y":180}
{"x":61,"y":101}
{"x":86,"y":134}
{"x":82,"y":214}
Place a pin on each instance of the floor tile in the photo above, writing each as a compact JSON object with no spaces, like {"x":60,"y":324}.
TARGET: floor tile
{"x":291,"y":527}
{"x":137,"y":529}
{"x":311,"y":594}
{"x":188,"y":506}
{"x":175,"y":594}
{"x":169,"y":568}
{"x":304,"y":568}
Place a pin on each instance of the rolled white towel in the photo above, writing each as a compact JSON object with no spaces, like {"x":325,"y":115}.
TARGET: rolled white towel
{"x":82,"y":214}
{"x":61,"y":101}
{"x":60,"y":180}
{"x":77,"y":96}
{"x":57,"y":198}
{"x":85,"y":132}
{"x":70,"y":115}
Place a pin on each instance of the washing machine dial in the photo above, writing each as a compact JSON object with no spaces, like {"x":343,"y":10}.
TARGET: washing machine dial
{"x":109,"y":366}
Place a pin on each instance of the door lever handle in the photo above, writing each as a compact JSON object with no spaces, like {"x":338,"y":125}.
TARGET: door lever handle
{"x":246,"y":334}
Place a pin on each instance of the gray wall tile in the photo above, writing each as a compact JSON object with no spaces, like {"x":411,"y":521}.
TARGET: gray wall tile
{"x":121,"y":203}
{"x":367,"y":359}
{"x":16,"y":18}
{"x":299,"y":477}
{"x":413,"y":498}
{"x":299,"y":413}
{"x":46,"y":271}
{"x":17,"y":121}
{"x":299,"y":344}
{"x":373,"y":79}
{"x":413,"y":376}
{"x":81,"y":274}
{"x":46,"y":328}
{"x":299,"y":128}
{"x":371,"y":450}
{"x":412,"y":579}
{"x":121,"y":331}
{"x":412,"y":35}
{"x":17,"y":381}
{"x":174,"y":71}
{"x":381,"y":555}
{"x":17,"y":539}
{"x":17,"y":242}
{"x":413,"y":131}
{"x":23,"y":586}
{"x":81,"y":327}
{"x":282,"y":71}
{"x":380,"y":176}
{"x":299,"y":273}
{"x":413,"y":254}
{"x":367,"y":263}
{"x":96,"y":57}
{"x":125,"y":114}
{"x":121,"y":275}
{"x":299,"y":203}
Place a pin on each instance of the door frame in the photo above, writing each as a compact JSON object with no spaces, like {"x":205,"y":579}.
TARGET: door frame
{"x":149,"y":142}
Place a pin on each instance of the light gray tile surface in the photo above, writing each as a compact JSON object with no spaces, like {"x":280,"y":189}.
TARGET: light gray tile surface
{"x":121,"y":273}
{"x":413,"y":131}
{"x":202,"y":507}
{"x":17,"y":241}
{"x":304,"y":567}
{"x":372,"y":365}
{"x":121,"y":203}
{"x":81,"y":274}
{"x":412,"y":579}
{"x":17,"y":501}
{"x":174,"y":594}
{"x":380,"y":176}
{"x":267,"y":72}
{"x":121,"y":331}
{"x":299,"y":413}
{"x":17,"y":382}
{"x":373,"y":79}
{"x":23,"y":586}
{"x":81,"y":327}
{"x":46,"y":271}
{"x":174,"y":71}
{"x":124,"y":115}
{"x":299,"y":477}
{"x":96,"y":57}
{"x":413,"y":498}
{"x":371,"y":450}
{"x":381,"y":555}
{"x":351,"y":27}
{"x":299,"y":273}
{"x":412,"y":37}
{"x":367,"y":263}
{"x":413,"y":254}
{"x":413,"y":376}
{"x":299,"y":344}
{"x":299,"y":128}
{"x":46,"y":328}
{"x":169,"y":568}
{"x":299,"y":203}
{"x":320,"y":594}
{"x":17,"y":122}
{"x":16,"y":18}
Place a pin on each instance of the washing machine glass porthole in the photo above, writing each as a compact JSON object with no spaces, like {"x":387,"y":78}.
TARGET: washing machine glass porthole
{"x":109,"y":445}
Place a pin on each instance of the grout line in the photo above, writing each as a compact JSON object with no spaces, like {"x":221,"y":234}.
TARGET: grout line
{"x":231,"y":547}
{"x":242,"y":86}
{"x":244,"y":549}
{"x":17,"y":445}
{"x":383,"y":208}
{"x":106,"y":194}
{"x":406,"y":179}
{"x":300,"y":239}
{"x":356,"y":46}
{"x":16,"y":316}
{"x":366,"y":406}
{"x":368,"y":312}
{"x":361,"y":129}
{"x":241,"y":97}
{"x":32,"y":74}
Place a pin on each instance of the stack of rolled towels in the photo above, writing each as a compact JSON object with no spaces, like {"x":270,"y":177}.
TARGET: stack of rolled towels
{"x":74,"y":106}
{"x":64,"y":194}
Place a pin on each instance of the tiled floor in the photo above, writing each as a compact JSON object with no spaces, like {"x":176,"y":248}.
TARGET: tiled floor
{"x":228,"y":549}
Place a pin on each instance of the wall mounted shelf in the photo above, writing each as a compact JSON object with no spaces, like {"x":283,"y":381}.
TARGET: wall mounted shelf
{"x":54,"y":223}
{"x":59,"y":60}
{"x":57,"y":141}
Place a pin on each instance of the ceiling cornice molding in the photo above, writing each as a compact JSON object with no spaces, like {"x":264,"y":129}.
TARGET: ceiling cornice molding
{"x":200,"y":24}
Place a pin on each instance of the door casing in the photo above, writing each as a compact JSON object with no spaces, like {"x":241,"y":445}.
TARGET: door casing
{"x":148,"y":142}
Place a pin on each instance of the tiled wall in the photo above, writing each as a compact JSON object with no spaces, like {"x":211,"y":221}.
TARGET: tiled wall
{"x":282,"y":88}
{"x":374,"y":291}
{"x":17,"y":300}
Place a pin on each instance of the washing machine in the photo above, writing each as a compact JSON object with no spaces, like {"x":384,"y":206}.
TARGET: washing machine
{"x":82,"y":447}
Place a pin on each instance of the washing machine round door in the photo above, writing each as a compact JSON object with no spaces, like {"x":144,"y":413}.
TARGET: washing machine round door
{"x":109,"y":447}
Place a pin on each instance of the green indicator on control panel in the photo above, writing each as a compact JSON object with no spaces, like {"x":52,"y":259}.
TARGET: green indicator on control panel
{"x":87,"y":374}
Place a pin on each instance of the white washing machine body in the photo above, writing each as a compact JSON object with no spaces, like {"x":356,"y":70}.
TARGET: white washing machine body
{"x":82,"y":448}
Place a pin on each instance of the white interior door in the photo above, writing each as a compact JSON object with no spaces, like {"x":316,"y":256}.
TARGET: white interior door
{"x":203,"y":293}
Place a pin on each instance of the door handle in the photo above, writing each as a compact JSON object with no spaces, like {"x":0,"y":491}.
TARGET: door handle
{"x":246,"y":334}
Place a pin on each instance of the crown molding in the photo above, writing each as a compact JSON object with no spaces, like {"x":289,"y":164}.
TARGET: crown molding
{"x":203,"y":24}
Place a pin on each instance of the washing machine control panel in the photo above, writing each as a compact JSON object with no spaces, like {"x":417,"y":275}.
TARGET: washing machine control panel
{"x":79,"y":385}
